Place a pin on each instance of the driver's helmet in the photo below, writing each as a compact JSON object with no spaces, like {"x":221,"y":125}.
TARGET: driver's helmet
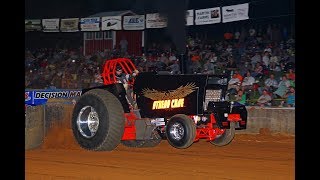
{"x":118,"y":70}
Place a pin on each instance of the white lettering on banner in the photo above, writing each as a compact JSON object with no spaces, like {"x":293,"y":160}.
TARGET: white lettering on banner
{"x":74,"y":93}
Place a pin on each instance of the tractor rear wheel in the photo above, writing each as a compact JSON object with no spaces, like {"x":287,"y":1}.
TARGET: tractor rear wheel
{"x":98,"y":121}
{"x":180,"y":131}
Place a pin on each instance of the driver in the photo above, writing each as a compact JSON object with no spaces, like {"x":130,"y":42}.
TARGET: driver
{"x":124,"y":78}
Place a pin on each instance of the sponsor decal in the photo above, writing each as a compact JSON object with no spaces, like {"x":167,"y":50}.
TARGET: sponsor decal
{"x":166,"y":104}
{"x":169,"y":99}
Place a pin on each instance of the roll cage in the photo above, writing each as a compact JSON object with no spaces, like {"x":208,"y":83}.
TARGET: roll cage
{"x":109,"y":70}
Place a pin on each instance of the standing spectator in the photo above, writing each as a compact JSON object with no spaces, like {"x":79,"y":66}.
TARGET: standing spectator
{"x":237,"y":35}
{"x":228,"y":36}
{"x":124,"y":45}
{"x":269,"y":32}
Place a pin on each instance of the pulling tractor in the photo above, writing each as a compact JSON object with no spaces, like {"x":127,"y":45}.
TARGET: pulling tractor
{"x":181,"y":109}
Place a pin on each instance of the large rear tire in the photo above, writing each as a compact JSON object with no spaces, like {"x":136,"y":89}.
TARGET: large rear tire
{"x":156,"y":139}
{"x":180,"y":131}
{"x":226,"y":137}
{"x":98,"y":121}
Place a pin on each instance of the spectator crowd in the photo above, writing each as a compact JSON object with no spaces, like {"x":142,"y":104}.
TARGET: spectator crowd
{"x":260,"y":64}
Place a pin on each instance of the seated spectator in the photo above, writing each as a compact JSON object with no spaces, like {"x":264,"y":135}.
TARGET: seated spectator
{"x":266,"y":59}
{"x":283,"y":87}
{"x":247,"y":82}
{"x":271,"y":84}
{"x":258,"y":71}
{"x":291,"y":75}
{"x":172,"y":57}
{"x":256,"y":59}
{"x":175,"y":67}
{"x":291,"y":97}
{"x":231,"y":65}
{"x":208,"y":67}
{"x":235,"y":82}
{"x":264,"y":99}
{"x":98,"y":80}
{"x":241,"y":97}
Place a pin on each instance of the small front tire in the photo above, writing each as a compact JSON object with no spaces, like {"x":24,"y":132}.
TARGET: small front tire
{"x":180,"y":131}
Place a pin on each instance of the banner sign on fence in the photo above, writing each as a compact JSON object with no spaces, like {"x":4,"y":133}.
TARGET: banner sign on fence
{"x":39,"y":97}
{"x":208,"y":16}
{"x":50,"y":25}
{"x":156,"y":20}
{"x":90,"y":24}
{"x":69,"y":25}
{"x":32,"y":25}
{"x":111,"y":23}
{"x":133,"y":22}
{"x":189,"y":17}
{"x":235,"y":12}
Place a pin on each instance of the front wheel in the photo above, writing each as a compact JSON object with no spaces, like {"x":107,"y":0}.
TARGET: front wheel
{"x":226,"y":137}
{"x":180,"y":131}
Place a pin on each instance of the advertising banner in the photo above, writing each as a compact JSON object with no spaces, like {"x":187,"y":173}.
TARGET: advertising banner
{"x":133,"y":22}
{"x":39,"y":97}
{"x":208,"y":16}
{"x":235,"y":12}
{"x":189,"y":17}
{"x":32,"y":25}
{"x":90,"y":24}
{"x":156,"y":20}
{"x":111,"y":23}
{"x":50,"y":25}
{"x":69,"y":25}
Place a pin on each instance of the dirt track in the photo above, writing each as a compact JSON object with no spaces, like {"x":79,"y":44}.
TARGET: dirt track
{"x":248,"y":157}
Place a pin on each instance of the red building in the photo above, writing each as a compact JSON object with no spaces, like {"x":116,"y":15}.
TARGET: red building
{"x":101,"y":40}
